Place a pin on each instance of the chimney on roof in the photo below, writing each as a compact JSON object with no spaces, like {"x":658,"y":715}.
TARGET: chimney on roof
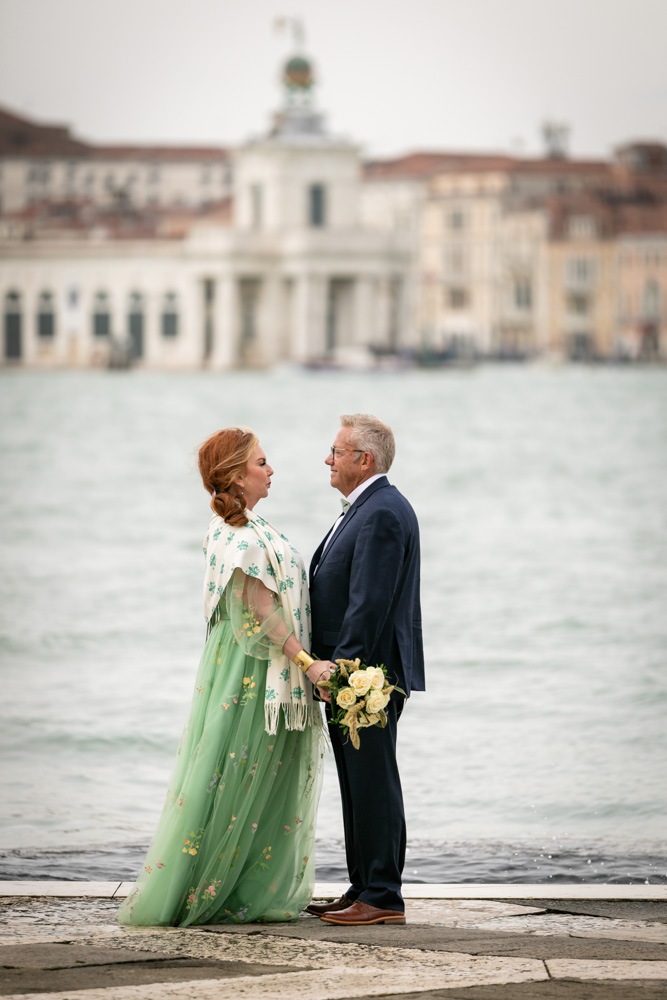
{"x":556,"y":137}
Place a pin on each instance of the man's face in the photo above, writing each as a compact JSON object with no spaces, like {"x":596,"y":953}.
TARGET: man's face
{"x":346,"y":473}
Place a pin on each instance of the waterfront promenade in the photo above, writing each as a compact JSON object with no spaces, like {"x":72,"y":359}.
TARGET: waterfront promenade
{"x":59,"y":940}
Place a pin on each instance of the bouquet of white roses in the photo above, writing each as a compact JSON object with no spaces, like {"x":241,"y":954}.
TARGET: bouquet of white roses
{"x":359,"y":696}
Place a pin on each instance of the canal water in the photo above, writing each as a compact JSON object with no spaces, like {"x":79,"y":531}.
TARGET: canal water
{"x":538,"y":751}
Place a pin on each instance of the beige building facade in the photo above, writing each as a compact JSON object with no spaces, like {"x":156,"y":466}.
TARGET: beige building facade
{"x":289,"y":248}
{"x":45,"y":163}
{"x":289,"y":274}
{"x":641,"y":268}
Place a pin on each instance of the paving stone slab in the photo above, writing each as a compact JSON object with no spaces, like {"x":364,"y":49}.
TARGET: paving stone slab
{"x":551,"y":990}
{"x":290,"y":952}
{"x":334,"y":983}
{"x":102,"y":889}
{"x":134,"y":974}
{"x":575,"y":925}
{"x":653,"y":910}
{"x":36,"y":917}
{"x":66,"y":956}
{"x":473,"y":940}
{"x":455,"y":912}
{"x":561,"y":968}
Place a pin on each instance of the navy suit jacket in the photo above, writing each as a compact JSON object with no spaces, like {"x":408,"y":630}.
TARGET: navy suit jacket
{"x":365,"y":593}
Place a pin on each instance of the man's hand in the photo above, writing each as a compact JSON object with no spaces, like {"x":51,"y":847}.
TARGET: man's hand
{"x":321,"y":670}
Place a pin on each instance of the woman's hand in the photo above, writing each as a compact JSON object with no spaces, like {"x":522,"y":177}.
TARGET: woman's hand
{"x":321,"y":670}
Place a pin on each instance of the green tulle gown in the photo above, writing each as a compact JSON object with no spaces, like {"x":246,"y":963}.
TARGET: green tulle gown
{"x":235,"y":841}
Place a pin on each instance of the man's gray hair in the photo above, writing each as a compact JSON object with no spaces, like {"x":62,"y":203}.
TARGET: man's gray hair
{"x":371,"y":435}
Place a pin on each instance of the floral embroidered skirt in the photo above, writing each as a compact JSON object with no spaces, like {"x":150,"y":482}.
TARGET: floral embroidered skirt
{"x":235,"y":841}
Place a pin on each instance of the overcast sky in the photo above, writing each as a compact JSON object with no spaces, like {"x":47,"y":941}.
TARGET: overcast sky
{"x":394,"y":75}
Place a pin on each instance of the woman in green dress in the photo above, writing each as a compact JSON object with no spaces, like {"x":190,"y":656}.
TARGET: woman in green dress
{"x":235,"y":841}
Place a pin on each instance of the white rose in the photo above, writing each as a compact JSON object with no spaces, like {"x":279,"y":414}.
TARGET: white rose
{"x":377,"y":678}
{"x":360,"y":681}
{"x":376,"y":701}
{"x":346,"y":698}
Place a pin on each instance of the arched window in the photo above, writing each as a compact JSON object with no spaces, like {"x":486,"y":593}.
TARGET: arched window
{"x":101,"y":315}
{"x":135,"y":324}
{"x":13,"y":318}
{"x":170,"y":315}
{"x":46,"y":318}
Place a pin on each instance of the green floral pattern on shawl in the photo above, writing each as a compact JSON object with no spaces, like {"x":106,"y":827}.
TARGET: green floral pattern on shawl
{"x":242,"y":565}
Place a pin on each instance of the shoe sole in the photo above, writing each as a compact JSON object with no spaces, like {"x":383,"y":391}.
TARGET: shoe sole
{"x":360,"y":923}
{"x":319,"y":913}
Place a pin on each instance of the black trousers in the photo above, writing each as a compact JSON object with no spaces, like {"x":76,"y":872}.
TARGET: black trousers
{"x":373,"y":814}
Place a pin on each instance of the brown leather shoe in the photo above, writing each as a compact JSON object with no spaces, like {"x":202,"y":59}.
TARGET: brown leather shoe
{"x":363,"y":913}
{"x":319,"y":908}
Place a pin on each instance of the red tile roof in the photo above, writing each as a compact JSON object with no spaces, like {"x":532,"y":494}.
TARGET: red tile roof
{"x":425,"y":164}
{"x":21,"y":137}
{"x":616,"y":211}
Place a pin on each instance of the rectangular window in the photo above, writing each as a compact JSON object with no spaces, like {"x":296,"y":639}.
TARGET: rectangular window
{"x":456,"y":219}
{"x":578,"y":305}
{"x":582,"y":226}
{"x":317,"y":205}
{"x":101,"y":324}
{"x":580,"y":270}
{"x":523,"y":295}
{"x":45,"y":324}
{"x":169,"y":324}
{"x":170,"y":315}
{"x":458,"y":298}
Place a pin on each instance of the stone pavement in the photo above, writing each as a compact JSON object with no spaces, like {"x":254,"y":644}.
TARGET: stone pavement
{"x":60,"y":941}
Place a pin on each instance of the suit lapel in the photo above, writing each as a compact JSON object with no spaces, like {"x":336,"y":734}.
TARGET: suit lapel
{"x":319,"y":558}
{"x":317,"y":555}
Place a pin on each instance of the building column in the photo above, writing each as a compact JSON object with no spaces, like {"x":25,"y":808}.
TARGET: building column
{"x":270,"y":319}
{"x":153,"y":355}
{"x":362,"y":333}
{"x":381,"y":325}
{"x":224,"y":349}
{"x":309,"y":317}
{"x":30,"y":353}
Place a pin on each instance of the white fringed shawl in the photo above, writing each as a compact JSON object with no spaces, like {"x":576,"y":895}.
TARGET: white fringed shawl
{"x":264,"y":554}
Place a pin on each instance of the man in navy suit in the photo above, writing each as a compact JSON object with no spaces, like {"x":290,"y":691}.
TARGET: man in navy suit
{"x":364,"y":580}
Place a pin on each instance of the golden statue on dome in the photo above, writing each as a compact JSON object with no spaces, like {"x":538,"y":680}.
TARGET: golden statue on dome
{"x":298,"y":77}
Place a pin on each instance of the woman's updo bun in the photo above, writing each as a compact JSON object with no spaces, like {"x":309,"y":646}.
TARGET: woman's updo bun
{"x":223,"y":458}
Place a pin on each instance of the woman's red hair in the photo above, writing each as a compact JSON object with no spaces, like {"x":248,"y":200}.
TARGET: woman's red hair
{"x":223,"y":459}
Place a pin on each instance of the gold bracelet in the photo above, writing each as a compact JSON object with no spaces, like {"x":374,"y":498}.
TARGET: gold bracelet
{"x":303,"y":660}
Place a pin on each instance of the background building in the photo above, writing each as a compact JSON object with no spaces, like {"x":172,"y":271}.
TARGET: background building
{"x":290,"y":248}
{"x":283,"y":270}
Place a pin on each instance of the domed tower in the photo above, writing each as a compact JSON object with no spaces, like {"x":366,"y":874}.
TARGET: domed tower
{"x":298,"y":176}
{"x":298,"y":115}
{"x":298,"y":78}
{"x":304,"y":278}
